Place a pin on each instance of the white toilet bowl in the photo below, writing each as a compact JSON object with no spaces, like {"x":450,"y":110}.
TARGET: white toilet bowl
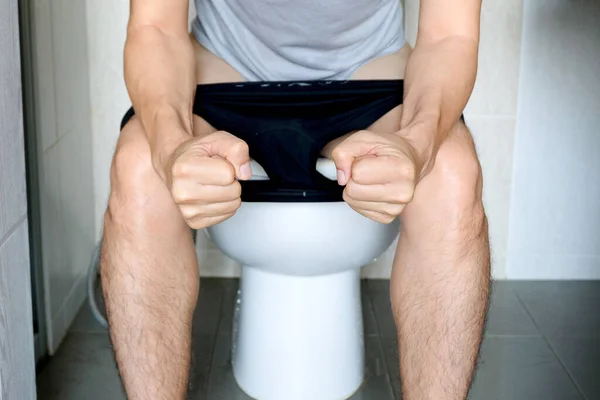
{"x":298,"y":332}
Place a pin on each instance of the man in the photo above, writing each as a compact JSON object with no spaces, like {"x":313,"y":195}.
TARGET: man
{"x":173,"y":170}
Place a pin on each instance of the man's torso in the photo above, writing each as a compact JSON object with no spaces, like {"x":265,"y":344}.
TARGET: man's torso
{"x":299,"y":39}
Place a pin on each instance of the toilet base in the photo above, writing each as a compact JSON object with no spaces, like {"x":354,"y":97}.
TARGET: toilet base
{"x":298,"y":337}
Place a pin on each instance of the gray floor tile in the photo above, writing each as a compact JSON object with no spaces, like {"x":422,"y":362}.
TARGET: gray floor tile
{"x":521,"y":368}
{"x":85,"y":321}
{"x":506,"y":315}
{"x":83,"y":368}
{"x":201,"y":362}
{"x":379,"y":291}
{"x":581,"y":358}
{"x":506,"y":371}
{"x":222,"y":384}
{"x":208,"y":308}
{"x":563,"y":309}
{"x":515,"y":363}
{"x":230,"y":288}
{"x":206,"y":317}
{"x":390,"y":349}
{"x":377,"y":380}
{"x":369,"y":321}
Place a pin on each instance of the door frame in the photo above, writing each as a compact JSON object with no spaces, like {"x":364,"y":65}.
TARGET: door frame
{"x":33,"y":195}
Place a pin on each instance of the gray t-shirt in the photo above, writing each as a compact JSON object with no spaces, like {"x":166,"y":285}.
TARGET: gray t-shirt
{"x":270,"y":40}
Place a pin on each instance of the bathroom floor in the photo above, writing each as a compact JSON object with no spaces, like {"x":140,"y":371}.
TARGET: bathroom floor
{"x":542,"y":342}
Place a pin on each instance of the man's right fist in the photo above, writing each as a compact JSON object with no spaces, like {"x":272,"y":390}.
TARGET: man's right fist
{"x":202,"y":175}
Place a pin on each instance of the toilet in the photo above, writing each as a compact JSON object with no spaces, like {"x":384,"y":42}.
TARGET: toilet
{"x":298,"y":329}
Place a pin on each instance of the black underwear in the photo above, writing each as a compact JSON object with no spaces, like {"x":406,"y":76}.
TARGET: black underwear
{"x":287,"y":124}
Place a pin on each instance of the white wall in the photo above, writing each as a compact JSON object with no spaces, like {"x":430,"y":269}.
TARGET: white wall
{"x":106,"y":31}
{"x":64,"y":134}
{"x":17,"y":366}
{"x":555,"y":208}
{"x":491,"y":115}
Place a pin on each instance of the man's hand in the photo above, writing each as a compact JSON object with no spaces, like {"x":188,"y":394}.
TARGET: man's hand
{"x":380,"y":172}
{"x":201,"y":175}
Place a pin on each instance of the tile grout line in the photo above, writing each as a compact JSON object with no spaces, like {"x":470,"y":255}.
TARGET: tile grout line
{"x":547,"y":341}
{"x":560,"y":361}
{"x":89,"y":332}
{"x":498,"y":335}
{"x":213,"y":348}
{"x":380,"y":342}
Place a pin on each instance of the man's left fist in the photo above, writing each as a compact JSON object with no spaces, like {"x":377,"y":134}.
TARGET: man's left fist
{"x":380,"y":173}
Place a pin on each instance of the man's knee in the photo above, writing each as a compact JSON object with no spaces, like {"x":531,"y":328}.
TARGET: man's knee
{"x":133,"y":194}
{"x":460,"y":180}
{"x":450,"y":197}
{"x":457,"y":168}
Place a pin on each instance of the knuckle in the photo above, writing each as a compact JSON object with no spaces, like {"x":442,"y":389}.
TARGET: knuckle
{"x":347,"y":198}
{"x":343,"y":150}
{"x":189,"y":212}
{"x":233,"y":206}
{"x":350,"y":189}
{"x":180,"y":195}
{"x":338,"y":152}
{"x":349,"y":193}
{"x":239,"y":146}
{"x":404,"y":197}
{"x":395,"y":210}
{"x":237,"y":187}
{"x":228,"y":172}
{"x":388,"y":219}
{"x":197,"y":223}
{"x":378,"y":217}
{"x":180,"y":169}
{"x":386,"y":215}
{"x":222,"y":135}
{"x":359,"y":174}
{"x":406,"y":170}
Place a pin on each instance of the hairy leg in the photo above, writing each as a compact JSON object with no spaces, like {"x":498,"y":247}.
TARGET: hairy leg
{"x":149,"y":275}
{"x":441,"y":276}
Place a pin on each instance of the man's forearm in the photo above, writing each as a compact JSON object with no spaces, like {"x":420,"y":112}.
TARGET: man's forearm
{"x":160,"y":78}
{"x":439,"y":80}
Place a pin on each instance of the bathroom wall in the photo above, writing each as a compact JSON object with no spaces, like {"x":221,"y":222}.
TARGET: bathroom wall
{"x":64,"y":136}
{"x":491,"y":115}
{"x":17,"y":369}
{"x":555,"y":214}
{"x":106,"y":30}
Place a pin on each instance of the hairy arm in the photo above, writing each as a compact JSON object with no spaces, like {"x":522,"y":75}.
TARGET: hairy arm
{"x":160,"y":73}
{"x":440,"y":73}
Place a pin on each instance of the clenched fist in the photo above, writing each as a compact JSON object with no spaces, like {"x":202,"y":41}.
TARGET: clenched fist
{"x":380,"y":173}
{"x":202,"y":175}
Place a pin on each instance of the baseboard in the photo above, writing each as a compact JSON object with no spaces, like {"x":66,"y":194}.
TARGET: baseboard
{"x":66,"y":314}
{"x":552,"y":267}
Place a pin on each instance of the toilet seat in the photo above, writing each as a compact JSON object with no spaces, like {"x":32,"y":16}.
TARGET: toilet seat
{"x":325,"y":167}
{"x":259,"y":188}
